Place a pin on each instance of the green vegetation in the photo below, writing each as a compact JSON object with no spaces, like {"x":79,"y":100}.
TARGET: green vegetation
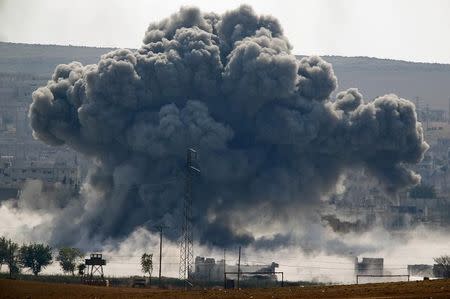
{"x":81,"y":267}
{"x":35,"y":256}
{"x":68,"y":258}
{"x":3,"y":251}
{"x":147,"y":265}
{"x":444,"y":263}
{"x":12,"y":258}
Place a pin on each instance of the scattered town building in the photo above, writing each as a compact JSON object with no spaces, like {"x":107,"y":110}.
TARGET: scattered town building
{"x":364,"y":204}
{"x":206,"y":269}
{"x":22,"y":158}
{"x":369,"y":266}
{"x":14,"y":173}
{"x":421,"y":270}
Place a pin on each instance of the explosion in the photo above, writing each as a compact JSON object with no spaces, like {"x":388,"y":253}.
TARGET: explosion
{"x":269,"y":134}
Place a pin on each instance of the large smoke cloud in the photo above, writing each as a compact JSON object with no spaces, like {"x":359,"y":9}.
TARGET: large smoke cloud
{"x":267,"y":131}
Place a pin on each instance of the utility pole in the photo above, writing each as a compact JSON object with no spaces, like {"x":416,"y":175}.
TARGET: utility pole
{"x":160,"y":228}
{"x":186,"y":244}
{"x":428,"y":116}
{"x":239,"y":268}
{"x":224,"y":270}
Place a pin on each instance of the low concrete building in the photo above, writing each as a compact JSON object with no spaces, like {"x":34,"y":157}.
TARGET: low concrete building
{"x":369,"y":266}
{"x":206,"y":269}
{"x":421,"y":270}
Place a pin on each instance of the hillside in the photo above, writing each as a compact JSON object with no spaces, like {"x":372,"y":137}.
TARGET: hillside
{"x":42,"y":59}
{"x":372,"y":76}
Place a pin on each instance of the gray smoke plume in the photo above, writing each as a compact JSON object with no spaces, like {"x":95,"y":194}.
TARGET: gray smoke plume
{"x":343,"y":226}
{"x":267,"y":132}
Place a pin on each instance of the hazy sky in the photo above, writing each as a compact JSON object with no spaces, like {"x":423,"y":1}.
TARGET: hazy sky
{"x":416,"y":30}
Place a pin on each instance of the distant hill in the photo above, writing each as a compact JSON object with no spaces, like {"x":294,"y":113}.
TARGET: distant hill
{"x":373,"y":76}
{"x":42,"y":59}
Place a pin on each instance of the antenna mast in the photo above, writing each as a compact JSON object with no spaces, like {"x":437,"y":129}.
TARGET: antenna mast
{"x":186,"y":246}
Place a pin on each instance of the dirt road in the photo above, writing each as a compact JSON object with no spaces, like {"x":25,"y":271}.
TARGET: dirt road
{"x":35,"y":290}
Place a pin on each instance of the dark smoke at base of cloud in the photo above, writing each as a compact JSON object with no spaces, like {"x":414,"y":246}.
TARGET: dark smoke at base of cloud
{"x":266,"y":130}
{"x":343,"y":226}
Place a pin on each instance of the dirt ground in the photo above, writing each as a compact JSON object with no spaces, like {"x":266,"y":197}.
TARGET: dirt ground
{"x":422,"y":289}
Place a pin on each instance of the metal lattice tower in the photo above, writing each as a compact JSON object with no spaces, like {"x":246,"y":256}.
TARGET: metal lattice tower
{"x":187,"y":238}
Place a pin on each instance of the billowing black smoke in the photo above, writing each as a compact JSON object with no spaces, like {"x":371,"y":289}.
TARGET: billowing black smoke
{"x":268,"y":134}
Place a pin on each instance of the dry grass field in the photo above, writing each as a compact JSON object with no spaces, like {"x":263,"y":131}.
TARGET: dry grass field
{"x":34,"y":290}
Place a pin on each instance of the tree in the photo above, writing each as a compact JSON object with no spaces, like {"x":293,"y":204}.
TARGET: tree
{"x":3,"y":251}
{"x":147,"y":264}
{"x":35,"y":256}
{"x":12,"y":258}
{"x":68,"y":257}
{"x":443,"y":263}
{"x":81,"y":267}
